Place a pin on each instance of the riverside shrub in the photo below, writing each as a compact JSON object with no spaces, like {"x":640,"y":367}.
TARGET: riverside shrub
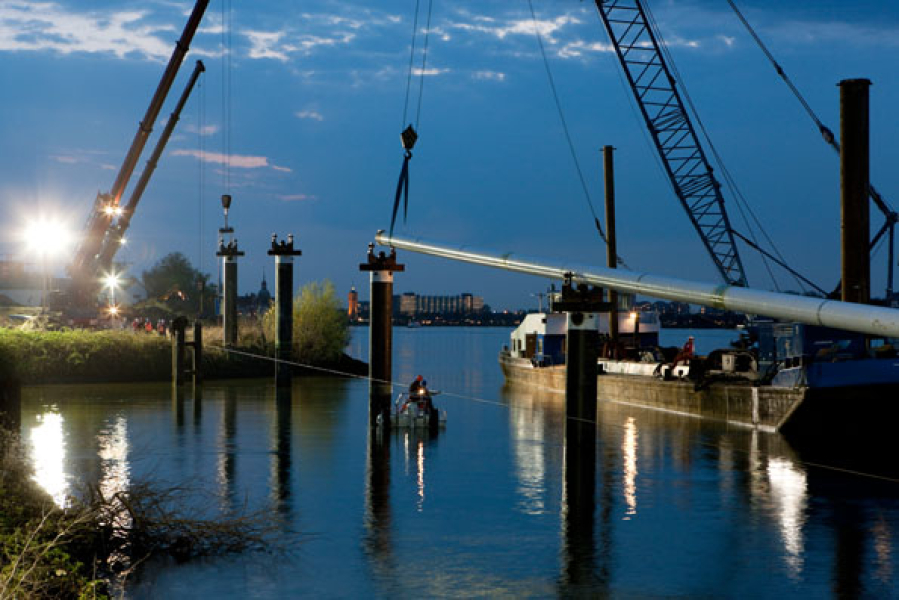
{"x":320,"y":327}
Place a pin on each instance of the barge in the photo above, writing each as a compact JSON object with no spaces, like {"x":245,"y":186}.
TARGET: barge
{"x":777,"y":377}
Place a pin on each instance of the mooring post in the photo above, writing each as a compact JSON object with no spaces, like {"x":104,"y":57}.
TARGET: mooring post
{"x":611,"y":240}
{"x":380,"y":332}
{"x":178,"y":350}
{"x":228,"y":251}
{"x":283,"y":253}
{"x":197,"y":345}
{"x":854,"y":178}
{"x":581,"y":303}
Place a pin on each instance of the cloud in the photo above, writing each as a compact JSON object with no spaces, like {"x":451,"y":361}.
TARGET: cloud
{"x":489,"y":75}
{"x":236,"y":161}
{"x":579,"y":48}
{"x":430,"y":71}
{"x":548,"y":28}
{"x":280,"y":45}
{"x":205,"y":131}
{"x":48,"y":27}
{"x":309,"y":114}
{"x":282,"y":169}
{"x":295,"y":197}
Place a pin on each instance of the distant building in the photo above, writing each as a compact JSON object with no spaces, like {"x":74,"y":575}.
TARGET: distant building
{"x":263,"y":297}
{"x":353,"y":305}
{"x":410,"y":304}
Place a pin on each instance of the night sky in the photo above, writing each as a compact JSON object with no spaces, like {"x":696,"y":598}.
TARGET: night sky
{"x":309,"y":98}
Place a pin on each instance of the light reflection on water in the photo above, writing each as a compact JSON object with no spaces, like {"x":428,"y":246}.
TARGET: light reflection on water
{"x":48,"y":451}
{"x":672,"y":506}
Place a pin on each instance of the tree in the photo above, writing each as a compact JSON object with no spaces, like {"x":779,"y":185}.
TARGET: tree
{"x":320,"y":328}
{"x":174,"y":282}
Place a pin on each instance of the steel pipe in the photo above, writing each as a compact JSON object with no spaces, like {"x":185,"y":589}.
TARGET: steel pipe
{"x":863,"y":318}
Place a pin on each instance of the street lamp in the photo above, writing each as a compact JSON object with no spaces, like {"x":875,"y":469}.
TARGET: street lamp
{"x":112,"y":281}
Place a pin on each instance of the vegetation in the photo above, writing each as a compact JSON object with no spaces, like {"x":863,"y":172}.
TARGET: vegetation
{"x":320,"y":326}
{"x":175,"y":287}
{"x":71,"y":355}
{"x":76,"y":551}
{"x":79,"y":355}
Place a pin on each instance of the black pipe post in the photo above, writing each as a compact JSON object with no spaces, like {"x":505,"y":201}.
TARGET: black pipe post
{"x":380,"y":333}
{"x":611,"y":239}
{"x":283,"y":253}
{"x":197,"y":345}
{"x":854,"y":179}
{"x":178,"y":351}
{"x":228,"y":251}
{"x":582,"y":351}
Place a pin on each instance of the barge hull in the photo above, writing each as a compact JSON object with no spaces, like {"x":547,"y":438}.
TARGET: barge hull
{"x":764,"y":407}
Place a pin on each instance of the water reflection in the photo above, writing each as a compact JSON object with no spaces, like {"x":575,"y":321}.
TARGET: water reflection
{"x":112,"y":442}
{"x":48,"y":451}
{"x":530,"y":463}
{"x":227,"y":450}
{"x":377,"y":540}
{"x":414,"y":442}
{"x":789,"y":500}
{"x":629,"y":450}
{"x":280,"y":481}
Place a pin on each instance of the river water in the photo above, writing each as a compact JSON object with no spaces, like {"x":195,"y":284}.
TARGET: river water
{"x":679,"y":507}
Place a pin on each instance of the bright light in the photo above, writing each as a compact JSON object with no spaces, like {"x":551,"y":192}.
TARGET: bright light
{"x":46,"y":237}
{"x":113,"y":310}
{"x":112,"y":281}
{"x":111,"y":210}
{"x":123,"y":241}
{"x":633,"y":314}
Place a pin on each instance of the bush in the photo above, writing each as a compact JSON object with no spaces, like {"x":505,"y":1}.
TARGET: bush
{"x":320,"y":327}
{"x":78,"y":355}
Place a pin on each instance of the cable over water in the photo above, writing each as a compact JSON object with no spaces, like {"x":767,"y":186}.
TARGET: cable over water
{"x":506,"y":405}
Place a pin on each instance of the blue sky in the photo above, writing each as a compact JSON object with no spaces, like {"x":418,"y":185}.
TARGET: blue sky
{"x":316,"y":102}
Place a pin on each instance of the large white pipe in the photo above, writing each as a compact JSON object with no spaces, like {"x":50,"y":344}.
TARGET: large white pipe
{"x":863,"y":318}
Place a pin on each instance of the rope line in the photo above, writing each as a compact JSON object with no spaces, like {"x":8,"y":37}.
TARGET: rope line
{"x":424,"y":62}
{"x":411,"y":63}
{"x":558,"y":103}
{"x":509,"y":407}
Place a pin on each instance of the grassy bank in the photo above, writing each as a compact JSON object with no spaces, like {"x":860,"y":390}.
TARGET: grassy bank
{"x":83,"y":356}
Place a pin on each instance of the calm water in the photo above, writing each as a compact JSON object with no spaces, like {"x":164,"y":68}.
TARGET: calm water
{"x":673,"y":507}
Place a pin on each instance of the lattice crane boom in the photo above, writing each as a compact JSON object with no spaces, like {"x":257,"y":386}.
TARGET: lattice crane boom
{"x":685,"y":162}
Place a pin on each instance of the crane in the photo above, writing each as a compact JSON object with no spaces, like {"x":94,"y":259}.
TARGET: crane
{"x":84,"y":266}
{"x":684,"y":160}
{"x":115,"y":234}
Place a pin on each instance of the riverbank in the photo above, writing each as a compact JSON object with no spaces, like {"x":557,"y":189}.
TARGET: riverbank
{"x":81,"y":356}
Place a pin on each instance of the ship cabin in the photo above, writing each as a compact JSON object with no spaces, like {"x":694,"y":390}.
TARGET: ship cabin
{"x":541,"y":336}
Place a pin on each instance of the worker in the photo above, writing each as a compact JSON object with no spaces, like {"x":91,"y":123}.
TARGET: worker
{"x":686,"y":353}
{"x":415,"y":385}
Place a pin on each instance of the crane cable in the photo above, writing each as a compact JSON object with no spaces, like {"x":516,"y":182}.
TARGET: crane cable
{"x":409,"y":134}
{"x":742,"y":203}
{"x":826,"y":133}
{"x":558,"y":103}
